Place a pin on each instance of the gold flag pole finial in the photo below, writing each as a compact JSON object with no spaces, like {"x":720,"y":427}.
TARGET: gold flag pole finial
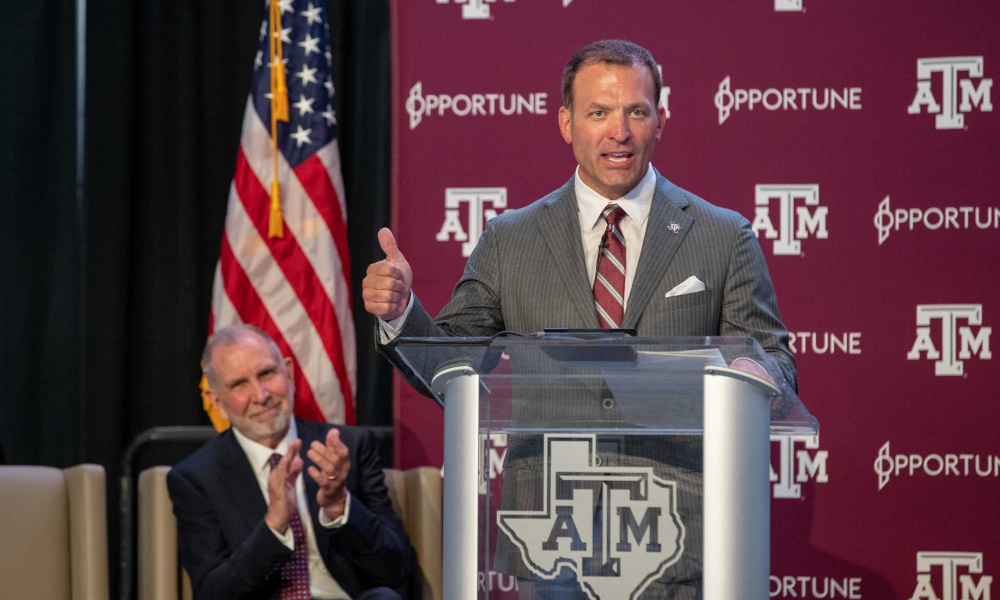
{"x":279,"y":112}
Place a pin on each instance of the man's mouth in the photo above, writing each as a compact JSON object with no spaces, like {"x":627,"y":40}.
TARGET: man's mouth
{"x":618,"y":157}
{"x":266,"y":412}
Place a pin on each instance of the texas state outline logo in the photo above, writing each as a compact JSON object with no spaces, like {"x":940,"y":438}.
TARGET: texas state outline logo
{"x":616,"y":528}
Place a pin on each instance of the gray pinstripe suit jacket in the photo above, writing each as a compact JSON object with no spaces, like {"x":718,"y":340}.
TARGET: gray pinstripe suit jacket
{"x":527,"y":273}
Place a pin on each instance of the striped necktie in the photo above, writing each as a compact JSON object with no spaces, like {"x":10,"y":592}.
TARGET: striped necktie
{"x":609,"y":284}
{"x":295,"y":571}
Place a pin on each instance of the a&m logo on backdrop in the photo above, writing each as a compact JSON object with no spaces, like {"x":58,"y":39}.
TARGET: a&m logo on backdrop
{"x":797,"y":465}
{"x":480,"y":204}
{"x":962,"y":88}
{"x":788,"y":5}
{"x":958,"y":341}
{"x":480,"y":9}
{"x":796,"y":222}
{"x":888,"y":465}
{"x":942,"y":575}
{"x":888,"y":220}
{"x":664,"y":93}
{"x":495,"y":448}
{"x":617,"y":528}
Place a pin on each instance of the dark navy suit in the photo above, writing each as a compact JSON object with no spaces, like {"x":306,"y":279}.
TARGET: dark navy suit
{"x":228,"y":550}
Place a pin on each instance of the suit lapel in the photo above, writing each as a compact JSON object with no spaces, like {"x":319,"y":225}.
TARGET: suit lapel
{"x":668,"y":226}
{"x":240,"y":482}
{"x":560,"y":227}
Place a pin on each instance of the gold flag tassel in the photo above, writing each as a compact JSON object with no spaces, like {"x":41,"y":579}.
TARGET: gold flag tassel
{"x":279,"y":112}
{"x":219,"y":420}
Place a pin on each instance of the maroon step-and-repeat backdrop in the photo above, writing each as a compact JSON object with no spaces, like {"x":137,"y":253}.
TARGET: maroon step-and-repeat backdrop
{"x":861,"y":140}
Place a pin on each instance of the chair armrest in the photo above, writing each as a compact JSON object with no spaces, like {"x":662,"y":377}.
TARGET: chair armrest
{"x":88,"y":531}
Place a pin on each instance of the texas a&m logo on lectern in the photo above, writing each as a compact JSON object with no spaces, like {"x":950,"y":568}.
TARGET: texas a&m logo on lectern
{"x":616,"y":528}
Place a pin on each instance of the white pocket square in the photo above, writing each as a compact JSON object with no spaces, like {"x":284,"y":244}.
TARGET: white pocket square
{"x":689,"y":286}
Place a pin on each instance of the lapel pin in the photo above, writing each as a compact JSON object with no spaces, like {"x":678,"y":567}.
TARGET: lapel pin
{"x":674,"y":227}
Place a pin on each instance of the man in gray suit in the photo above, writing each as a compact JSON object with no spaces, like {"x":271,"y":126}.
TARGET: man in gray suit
{"x":689,"y":268}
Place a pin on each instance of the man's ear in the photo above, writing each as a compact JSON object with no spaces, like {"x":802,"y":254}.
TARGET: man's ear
{"x":565,"y":120}
{"x":220,"y":409}
{"x":661,"y":120}
{"x":289,"y":367}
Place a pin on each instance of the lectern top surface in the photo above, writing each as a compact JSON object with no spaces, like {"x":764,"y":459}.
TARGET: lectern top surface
{"x":585,"y":380}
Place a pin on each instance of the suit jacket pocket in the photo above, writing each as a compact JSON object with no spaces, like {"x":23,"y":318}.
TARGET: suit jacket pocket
{"x":682,"y":301}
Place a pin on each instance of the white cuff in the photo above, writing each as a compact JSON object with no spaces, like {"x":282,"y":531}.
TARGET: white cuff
{"x":340,"y":521}
{"x":388,"y":330}
{"x":287,"y":538}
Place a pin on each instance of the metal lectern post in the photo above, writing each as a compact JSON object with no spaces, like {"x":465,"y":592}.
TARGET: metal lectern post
{"x":460,"y":388}
{"x":737,"y":503}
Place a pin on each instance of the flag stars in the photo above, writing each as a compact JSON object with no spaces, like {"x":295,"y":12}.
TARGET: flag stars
{"x":307,"y":75}
{"x":285,"y":6}
{"x":312,"y":14}
{"x":301,"y":136}
{"x":258,"y":60}
{"x":304,"y":105}
{"x":286,"y":35}
{"x":328,"y":84}
{"x":329,"y":115}
{"x":310,"y":44}
{"x":263,"y":29}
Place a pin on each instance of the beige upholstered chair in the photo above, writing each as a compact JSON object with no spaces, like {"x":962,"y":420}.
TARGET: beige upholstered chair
{"x":415,"y":495}
{"x":54,"y":530}
{"x":160,"y":575}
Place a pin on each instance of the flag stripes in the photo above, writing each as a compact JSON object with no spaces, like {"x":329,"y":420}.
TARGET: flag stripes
{"x":296,"y":268}
{"x":240,"y":294}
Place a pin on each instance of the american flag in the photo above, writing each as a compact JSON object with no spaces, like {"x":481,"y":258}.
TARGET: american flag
{"x":296,"y":287}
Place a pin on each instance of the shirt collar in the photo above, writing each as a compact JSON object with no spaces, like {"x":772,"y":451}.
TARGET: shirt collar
{"x":258,"y":454}
{"x":635,"y":202}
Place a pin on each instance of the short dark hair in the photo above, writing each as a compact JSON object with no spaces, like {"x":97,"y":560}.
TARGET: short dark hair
{"x":230,"y":336}
{"x":609,"y":52}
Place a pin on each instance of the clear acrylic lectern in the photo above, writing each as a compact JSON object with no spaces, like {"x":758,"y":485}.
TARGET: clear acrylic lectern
{"x":614,"y":467}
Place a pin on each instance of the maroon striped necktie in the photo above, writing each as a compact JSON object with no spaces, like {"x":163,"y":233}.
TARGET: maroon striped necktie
{"x":609,"y":284}
{"x":295,"y":571}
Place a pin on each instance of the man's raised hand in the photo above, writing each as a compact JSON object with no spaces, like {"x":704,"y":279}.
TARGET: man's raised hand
{"x":281,"y":489}
{"x":332,"y":464}
{"x":386,"y":287}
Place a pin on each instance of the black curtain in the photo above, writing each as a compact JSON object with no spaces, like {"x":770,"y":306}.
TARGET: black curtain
{"x":106,"y":293}
{"x":41,"y":300}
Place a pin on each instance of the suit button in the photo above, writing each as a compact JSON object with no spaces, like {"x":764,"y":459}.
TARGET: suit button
{"x":608,"y":403}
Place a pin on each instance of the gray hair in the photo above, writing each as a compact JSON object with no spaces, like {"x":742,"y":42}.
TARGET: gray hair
{"x":609,"y":52}
{"x":230,"y":336}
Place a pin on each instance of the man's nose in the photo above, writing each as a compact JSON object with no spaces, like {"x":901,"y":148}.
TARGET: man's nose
{"x":259,"y":390}
{"x":620,"y":130}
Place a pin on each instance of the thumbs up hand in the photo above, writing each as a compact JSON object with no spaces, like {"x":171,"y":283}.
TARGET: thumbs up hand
{"x":386,"y":287}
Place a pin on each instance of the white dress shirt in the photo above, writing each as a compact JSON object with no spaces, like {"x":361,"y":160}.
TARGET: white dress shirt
{"x":321,"y":583}
{"x":636,"y":204}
